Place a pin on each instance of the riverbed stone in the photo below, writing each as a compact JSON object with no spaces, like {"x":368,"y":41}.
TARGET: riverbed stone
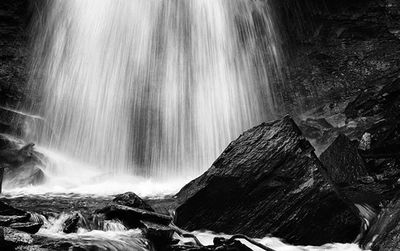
{"x":130,"y":199}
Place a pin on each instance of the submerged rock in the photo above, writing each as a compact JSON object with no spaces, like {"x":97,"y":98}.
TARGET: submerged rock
{"x":268,"y":181}
{"x":73,"y":222}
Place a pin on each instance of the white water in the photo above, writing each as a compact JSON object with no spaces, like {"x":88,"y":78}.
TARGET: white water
{"x":156,"y":88}
{"x":206,"y":238}
{"x":123,"y":239}
{"x":66,"y":176}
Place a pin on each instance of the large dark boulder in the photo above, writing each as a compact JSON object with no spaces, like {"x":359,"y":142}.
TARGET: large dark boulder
{"x":268,"y":181}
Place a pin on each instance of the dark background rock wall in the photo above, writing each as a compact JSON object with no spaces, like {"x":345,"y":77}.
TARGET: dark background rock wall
{"x":14,"y":53}
{"x":335,"y":48}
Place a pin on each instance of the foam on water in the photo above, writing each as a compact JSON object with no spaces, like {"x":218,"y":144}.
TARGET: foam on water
{"x":206,"y":238}
{"x":68,"y":176}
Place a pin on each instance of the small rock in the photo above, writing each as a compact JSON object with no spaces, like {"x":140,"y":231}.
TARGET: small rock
{"x":132,"y":217}
{"x":159,"y":235}
{"x":73,"y":222}
{"x":28,"y":227}
{"x":130,"y":199}
{"x":365,"y":142}
{"x":16,"y":236}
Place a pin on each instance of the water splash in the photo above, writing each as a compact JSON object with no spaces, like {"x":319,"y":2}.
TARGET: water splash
{"x":65,"y":176}
{"x":152,"y":87}
{"x":206,"y":238}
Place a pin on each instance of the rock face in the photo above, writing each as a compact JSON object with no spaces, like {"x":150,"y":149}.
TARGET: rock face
{"x":380,"y":150}
{"x":14,"y":16}
{"x":339,"y":47}
{"x":268,"y":181}
{"x":342,"y":162}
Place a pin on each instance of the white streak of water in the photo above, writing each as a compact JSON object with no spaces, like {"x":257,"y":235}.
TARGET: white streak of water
{"x":152,"y":87}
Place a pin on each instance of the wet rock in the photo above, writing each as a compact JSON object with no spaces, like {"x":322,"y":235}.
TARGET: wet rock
{"x":234,"y":246}
{"x":24,"y":175}
{"x":384,"y":232}
{"x":16,"y":237}
{"x":382,"y":99}
{"x":7,"y":143}
{"x":22,"y":164}
{"x":6,"y":220}
{"x":73,"y":222}
{"x":13,"y":158}
{"x":132,"y":217}
{"x":268,"y":181}
{"x":7,"y":210}
{"x":17,"y":219}
{"x":159,"y":235}
{"x":365,"y":189}
{"x":130,"y":199}
{"x":27,"y":227}
{"x":342,"y":161}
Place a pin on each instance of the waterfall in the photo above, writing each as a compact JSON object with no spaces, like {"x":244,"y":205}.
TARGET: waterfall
{"x":152,"y":87}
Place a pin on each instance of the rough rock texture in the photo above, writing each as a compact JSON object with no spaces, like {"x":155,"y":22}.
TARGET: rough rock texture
{"x":25,"y":175}
{"x":132,"y":217}
{"x":16,"y":236}
{"x":23,"y":165}
{"x":14,"y":18}
{"x":339,"y":47}
{"x":17,"y":219}
{"x":268,"y":181}
{"x":27,"y":227}
{"x":130,"y":199}
{"x":342,"y":161}
{"x":73,"y":222}
{"x":383,"y":235}
{"x":234,"y":246}
{"x":380,"y":149}
{"x":7,"y":210}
